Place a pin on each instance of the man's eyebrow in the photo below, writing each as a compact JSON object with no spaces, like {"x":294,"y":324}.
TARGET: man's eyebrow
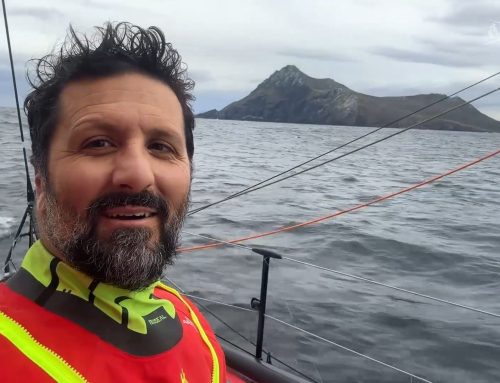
{"x":95,"y":123}
{"x":168,"y":134}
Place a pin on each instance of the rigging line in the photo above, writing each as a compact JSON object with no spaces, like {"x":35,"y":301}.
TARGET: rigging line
{"x":12,"y":70}
{"x":235,"y":345}
{"x":218,"y":302}
{"x":338,"y":345}
{"x":241,"y":335}
{"x":30,"y":193}
{"x":210,"y":312}
{"x":7,"y":265}
{"x":218,"y":240}
{"x":252,"y":189}
{"x":347,"y":349}
{"x":293,"y":321}
{"x":175,"y":284}
{"x":347,"y":275}
{"x":353,"y":277}
{"x":316,"y":368}
{"x":358,"y":207}
{"x":270,"y":356}
{"x":344,"y":145}
{"x":195,"y":298}
{"x":225,"y":323}
{"x":392,"y":287}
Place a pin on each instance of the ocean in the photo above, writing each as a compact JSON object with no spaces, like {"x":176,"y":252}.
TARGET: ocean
{"x":442,"y":240}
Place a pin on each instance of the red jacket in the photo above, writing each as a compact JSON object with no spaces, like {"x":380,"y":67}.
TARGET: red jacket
{"x":189,"y":361}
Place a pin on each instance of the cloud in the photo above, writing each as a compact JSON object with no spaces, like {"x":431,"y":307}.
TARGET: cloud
{"x":447,"y":52}
{"x":92,"y":3}
{"x":410,"y":47}
{"x":40,"y":13}
{"x":471,"y":17}
{"x":200,"y":75}
{"x":312,"y":55}
{"x":436,"y":58}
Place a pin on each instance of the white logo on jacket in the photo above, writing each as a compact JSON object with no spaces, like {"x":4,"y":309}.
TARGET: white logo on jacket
{"x":188,"y":321}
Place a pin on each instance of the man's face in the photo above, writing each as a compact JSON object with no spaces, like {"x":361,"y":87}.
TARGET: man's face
{"x":118,"y":179}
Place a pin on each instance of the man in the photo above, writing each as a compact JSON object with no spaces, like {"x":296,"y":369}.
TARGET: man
{"x":112,"y":141}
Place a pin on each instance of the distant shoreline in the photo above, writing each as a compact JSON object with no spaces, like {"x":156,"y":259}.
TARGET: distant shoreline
{"x":348,"y":126}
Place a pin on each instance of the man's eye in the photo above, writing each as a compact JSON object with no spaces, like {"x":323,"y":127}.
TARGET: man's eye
{"x":99,"y":144}
{"x":157,"y":146}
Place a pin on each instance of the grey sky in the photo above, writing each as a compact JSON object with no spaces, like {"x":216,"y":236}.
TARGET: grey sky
{"x":383,"y":48}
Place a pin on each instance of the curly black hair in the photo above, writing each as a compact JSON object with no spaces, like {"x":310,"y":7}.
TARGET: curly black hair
{"x":113,"y":49}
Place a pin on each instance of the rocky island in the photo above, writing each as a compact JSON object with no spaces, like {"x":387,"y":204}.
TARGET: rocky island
{"x":290,"y":95}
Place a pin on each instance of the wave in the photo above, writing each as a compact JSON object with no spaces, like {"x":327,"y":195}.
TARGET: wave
{"x":5,"y":225}
{"x":350,"y":179}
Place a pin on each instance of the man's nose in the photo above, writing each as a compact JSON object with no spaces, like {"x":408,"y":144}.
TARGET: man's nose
{"x":133,"y":170}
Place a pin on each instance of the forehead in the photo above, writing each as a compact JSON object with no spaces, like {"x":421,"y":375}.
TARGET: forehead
{"x":129,"y":96}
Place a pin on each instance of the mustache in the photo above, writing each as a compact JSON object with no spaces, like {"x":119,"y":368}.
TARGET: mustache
{"x":145,"y":198}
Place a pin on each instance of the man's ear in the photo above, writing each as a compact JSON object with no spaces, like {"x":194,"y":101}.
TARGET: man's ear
{"x":40,"y":192}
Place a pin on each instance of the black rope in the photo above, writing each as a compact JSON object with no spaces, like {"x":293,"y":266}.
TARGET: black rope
{"x":252,"y":188}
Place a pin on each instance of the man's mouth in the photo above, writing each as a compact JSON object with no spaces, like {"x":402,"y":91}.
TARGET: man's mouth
{"x":131,"y":216}
{"x":129,"y":213}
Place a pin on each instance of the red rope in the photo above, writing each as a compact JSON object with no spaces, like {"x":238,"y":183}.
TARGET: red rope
{"x":347,"y":210}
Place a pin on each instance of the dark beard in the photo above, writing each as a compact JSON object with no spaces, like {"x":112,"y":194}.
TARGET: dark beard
{"x":128,"y":258}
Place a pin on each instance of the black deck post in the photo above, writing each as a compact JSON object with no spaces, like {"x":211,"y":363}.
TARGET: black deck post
{"x":260,"y":304}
